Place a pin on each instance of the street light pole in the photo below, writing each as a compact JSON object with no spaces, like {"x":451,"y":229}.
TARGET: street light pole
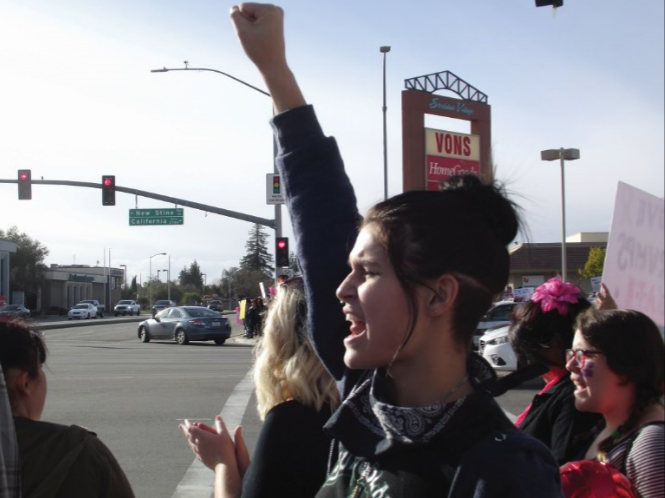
{"x":278,"y":207}
{"x":205,"y":281}
{"x":168,"y":283}
{"x":384,"y":50}
{"x":562,"y":155}
{"x":150,"y":276}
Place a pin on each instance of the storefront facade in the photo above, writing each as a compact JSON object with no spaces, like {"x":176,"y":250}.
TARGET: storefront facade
{"x":65,"y":286}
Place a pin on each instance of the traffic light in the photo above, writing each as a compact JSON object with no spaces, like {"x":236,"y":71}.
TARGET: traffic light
{"x":546,"y":3}
{"x":282,"y":252}
{"x":276,"y":185}
{"x":24,"y":185}
{"x":108,"y":190}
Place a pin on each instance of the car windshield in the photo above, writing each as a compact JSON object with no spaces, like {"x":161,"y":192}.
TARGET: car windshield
{"x":81,"y":307}
{"x":162,"y":303}
{"x":11,"y":307}
{"x":124,"y":302}
{"x":200,"y":312}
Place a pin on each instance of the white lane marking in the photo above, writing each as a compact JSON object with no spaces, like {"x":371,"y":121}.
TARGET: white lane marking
{"x":198,"y":480}
{"x":513,"y":418}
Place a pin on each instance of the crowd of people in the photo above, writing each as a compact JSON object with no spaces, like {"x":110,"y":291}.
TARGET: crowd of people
{"x":364,"y":376}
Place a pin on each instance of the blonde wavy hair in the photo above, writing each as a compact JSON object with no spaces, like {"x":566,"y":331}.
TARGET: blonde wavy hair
{"x":286,"y":366}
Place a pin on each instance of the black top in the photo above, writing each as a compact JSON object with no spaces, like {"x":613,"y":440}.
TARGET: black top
{"x":59,"y":461}
{"x":291,"y":455}
{"x":554,"y":420}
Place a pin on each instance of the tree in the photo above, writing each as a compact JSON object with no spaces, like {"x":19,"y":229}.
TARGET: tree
{"x":257,"y":258}
{"x":191,"y":276}
{"x":248,"y":283}
{"x":27,"y":265}
{"x":594,"y":264}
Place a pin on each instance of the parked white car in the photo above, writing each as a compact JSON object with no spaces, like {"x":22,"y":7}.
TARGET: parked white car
{"x":498,"y":315}
{"x":495,"y":347}
{"x":82,"y":310}
{"x":127,"y":307}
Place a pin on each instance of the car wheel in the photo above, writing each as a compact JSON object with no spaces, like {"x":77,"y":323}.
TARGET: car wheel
{"x":87,"y":317}
{"x":143,"y":334}
{"x":219,"y":342}
{"x":115,"y":314}
{"x":181,"y":337}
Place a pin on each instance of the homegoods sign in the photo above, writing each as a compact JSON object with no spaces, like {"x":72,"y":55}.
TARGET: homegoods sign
{"x":448,"y":154}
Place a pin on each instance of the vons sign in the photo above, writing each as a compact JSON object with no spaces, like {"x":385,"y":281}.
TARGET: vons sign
{"x":449,"y":154}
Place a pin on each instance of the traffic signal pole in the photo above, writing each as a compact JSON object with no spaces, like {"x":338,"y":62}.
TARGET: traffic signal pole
{"x":173,"y":200}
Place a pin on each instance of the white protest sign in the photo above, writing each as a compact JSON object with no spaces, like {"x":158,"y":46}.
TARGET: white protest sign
{"x":635,"y":261}
{"x":524,"y":294}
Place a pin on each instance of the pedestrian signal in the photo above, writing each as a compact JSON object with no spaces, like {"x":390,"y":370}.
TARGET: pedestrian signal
{"x":282,"y":252}
{"x":108,"y":190}
{"x":24,"y":185}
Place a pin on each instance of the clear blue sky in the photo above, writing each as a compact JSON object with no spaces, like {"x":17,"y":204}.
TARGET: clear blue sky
{"x":79,"y":101}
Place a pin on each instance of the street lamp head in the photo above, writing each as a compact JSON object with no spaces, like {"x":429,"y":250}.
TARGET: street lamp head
{"x":163,"y":70}
{"x":384,"y":49}
{"x":557,"y":154}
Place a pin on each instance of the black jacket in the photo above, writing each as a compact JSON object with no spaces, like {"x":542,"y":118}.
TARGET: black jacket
{"x":554,"y":420}
{"x":59,"y":461}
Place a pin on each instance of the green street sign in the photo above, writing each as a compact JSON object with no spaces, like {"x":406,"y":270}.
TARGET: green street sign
{"x":156,"y":217}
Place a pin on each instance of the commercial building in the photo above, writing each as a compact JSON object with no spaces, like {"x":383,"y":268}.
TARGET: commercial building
{"x":532,"y":264}
{"x":6,"y":249}
{"x":64,"y":286}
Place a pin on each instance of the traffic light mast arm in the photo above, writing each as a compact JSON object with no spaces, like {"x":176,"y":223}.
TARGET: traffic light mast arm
{"x":172,"y":200}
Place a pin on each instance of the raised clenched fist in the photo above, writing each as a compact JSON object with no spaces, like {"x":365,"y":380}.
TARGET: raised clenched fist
{"x":260,"y":28}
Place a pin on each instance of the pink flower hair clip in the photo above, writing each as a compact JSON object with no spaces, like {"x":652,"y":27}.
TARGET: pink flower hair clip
{"x":555,"y":294}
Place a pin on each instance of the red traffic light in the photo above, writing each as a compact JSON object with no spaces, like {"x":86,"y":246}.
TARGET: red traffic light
{"x":281,"y":244}
{"x":23,"y":176}
{"x":108,"y":182}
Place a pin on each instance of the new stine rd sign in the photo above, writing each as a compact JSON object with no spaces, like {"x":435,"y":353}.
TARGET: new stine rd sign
{"x":448,"y":154}
{"x":156,"y":217}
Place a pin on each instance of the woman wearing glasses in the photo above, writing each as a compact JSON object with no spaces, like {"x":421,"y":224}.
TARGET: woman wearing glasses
{"x":616,"y":365}
{"x":543,"y":329}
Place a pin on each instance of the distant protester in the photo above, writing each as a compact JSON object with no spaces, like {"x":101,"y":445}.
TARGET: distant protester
{"x":540,"y":335}
{"x":616,"y":363}
{"x":57,"y":461}
{"x":295,"y":397}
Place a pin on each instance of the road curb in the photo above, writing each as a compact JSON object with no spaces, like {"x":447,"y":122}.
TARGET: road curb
{"x":84,"y":323}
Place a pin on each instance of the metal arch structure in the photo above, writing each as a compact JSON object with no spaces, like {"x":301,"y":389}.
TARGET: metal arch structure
{"x":445,"y":80}
{"x":165,"y":198}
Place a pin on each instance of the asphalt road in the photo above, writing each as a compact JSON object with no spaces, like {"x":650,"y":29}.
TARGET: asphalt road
{"x":133,"y":395}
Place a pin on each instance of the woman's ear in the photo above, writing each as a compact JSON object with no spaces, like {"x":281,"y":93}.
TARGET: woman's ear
{"x":443,"y":298}
{"x":19,"y":382}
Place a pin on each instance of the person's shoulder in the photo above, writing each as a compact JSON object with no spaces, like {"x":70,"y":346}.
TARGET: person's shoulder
{"x":508,"y":462}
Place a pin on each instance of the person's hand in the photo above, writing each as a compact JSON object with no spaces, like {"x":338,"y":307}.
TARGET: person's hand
{"x":260,"y":28}
{"x":242,"y":455}
{"x":211,"y":446}
{"x":604,"y":300}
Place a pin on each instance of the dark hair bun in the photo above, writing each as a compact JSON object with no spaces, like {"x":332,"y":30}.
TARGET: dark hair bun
{"x":490,"y":202}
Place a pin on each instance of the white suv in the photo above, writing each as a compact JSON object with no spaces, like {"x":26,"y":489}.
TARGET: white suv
{"x":127,"y":307}
{"x":498,"y":315}
{"x":496,"y":349}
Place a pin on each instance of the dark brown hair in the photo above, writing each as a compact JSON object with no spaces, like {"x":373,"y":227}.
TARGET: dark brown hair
{"x":462,"y":230}
{"x":534,"y":329}
{"x":633,"y":348}
{"x":21,"y":347}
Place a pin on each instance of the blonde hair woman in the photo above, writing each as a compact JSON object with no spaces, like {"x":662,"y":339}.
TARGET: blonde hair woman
{"x":296,"y":396}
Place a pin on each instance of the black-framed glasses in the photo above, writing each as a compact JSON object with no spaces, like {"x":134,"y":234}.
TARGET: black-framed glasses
{"x":580,"y":355}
